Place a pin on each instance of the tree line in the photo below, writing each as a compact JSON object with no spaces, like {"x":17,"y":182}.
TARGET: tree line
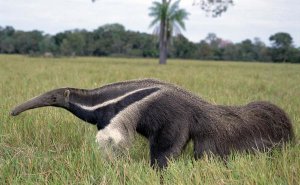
{"x":115,"y":40}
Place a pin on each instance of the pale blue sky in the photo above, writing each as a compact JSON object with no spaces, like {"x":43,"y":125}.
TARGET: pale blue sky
{"x":247,"y":19}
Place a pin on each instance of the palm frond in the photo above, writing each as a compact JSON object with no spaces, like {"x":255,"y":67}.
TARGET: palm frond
{"x":171,"y":14}
{"x":154,"y":22}
{"x":174,"y":7}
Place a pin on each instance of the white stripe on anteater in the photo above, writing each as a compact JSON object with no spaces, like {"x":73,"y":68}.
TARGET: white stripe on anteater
{"x":115,"y":100}
{"x":121,"y":129}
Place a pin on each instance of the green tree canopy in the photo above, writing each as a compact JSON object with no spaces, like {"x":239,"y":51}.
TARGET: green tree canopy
{"x":281,"y":40}
{"x":282,"y":48}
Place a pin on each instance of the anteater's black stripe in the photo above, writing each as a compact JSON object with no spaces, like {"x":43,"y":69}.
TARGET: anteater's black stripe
{"x":99,"y":96}
{"x":108,"y":112}
{"x":103,"y":115}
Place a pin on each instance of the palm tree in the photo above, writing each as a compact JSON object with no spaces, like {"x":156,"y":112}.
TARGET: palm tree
{"x":168,"y":20}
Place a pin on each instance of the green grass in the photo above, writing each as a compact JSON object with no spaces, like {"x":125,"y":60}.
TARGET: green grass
{"x":51,"y":146}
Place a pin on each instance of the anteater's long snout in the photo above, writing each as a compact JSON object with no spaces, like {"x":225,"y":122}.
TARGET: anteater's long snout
{"x":31,"y":104}
{"x":56,"y":98}
{"x":40,"y":101}
{"x":14,"y":112}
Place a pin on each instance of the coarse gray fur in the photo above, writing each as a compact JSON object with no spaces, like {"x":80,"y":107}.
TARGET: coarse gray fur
{"x":169,"y":117}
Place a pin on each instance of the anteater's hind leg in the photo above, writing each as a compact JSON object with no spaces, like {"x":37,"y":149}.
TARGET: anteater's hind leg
{"x":161,"y":153}
{"x":210,"y":148}
{"x":204,"y":146}
{"x":167,"y":144}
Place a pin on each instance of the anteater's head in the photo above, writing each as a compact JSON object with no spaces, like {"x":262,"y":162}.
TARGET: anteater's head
{"x":57,"y":98}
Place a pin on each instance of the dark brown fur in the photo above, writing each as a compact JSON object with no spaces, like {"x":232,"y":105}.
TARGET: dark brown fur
{"x":173,"y":116}
{"x":178,"y":116}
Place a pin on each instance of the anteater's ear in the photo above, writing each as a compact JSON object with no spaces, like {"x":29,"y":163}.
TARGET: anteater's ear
{"x":67,"y":94}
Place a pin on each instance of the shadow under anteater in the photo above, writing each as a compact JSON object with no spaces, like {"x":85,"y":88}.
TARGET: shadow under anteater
{"x":169,"y":116}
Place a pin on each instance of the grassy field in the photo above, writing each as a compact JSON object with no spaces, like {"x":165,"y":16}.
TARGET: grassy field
{"x":51,"y":146}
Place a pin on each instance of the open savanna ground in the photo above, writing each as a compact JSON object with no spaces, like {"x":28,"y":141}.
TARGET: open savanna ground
{"x":51,"y":146}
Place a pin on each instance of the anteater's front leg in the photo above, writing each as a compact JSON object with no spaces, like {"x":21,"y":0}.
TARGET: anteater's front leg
{"x":113,"y":139}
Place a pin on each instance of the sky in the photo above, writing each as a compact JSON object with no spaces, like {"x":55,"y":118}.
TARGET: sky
{"x":246,"y":19}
